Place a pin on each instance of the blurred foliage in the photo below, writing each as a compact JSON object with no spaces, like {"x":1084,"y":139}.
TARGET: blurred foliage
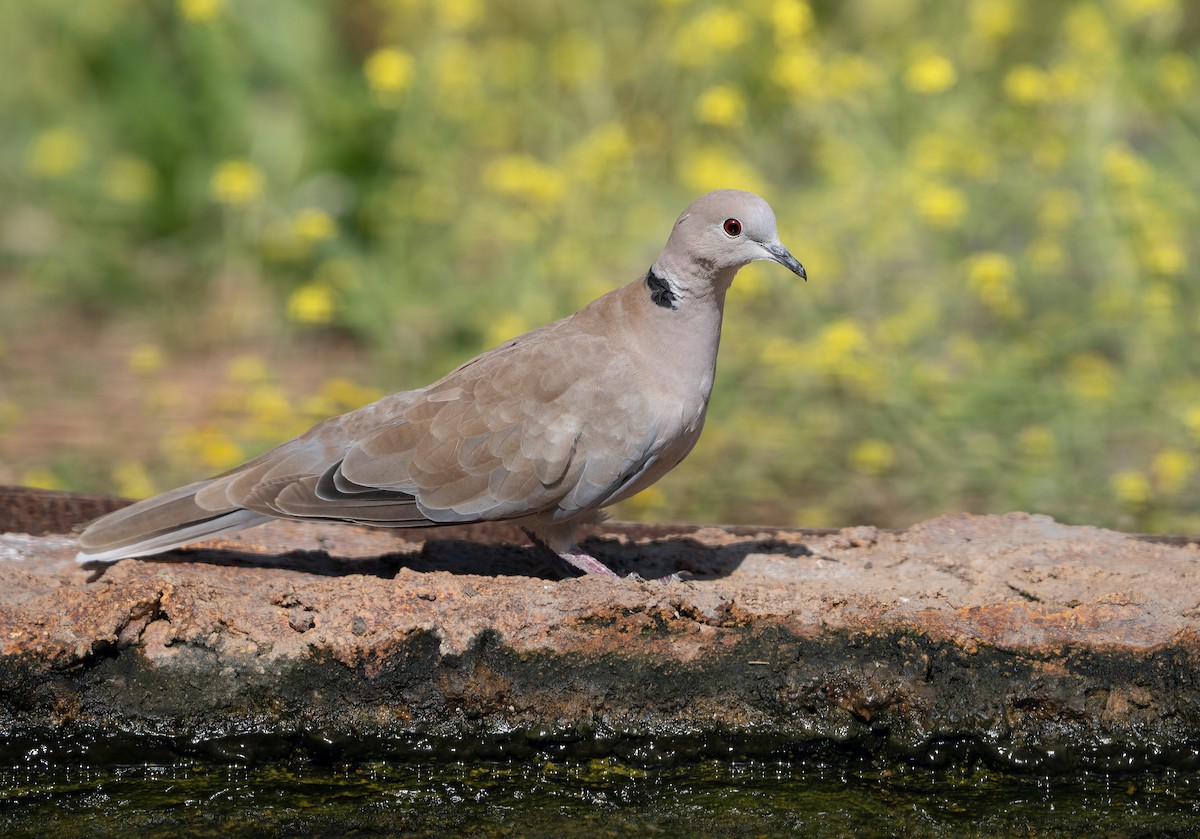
{"x":996,"y":201}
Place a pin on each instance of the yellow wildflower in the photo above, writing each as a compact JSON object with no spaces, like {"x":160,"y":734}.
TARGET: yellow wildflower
{"x":525,"y":177}
{"x":872,"y":457}
{"x":1046,"y":256}
{"x":247,"y":369}
{"x":1176,"y":76}
{"x":1138,"y":11}
{"x":990,"y":275}
{"x":799,"y":72}
{"x":1131,"y":487}
{"x":345,"y":395}
{"x":790,"y":19}
{"x":709,"y":168}
{"x":1026,"y":84}
{"x":56,"y":153}
{"x":268,"y":405}
{"x":1191,"y":420}
{"x":604,"y":151}
{"x":39,"y":477}
{"x":1088,"y":31}
{"x":1037,"y":442}
{"x":132,"y":480}
{"x":1171,"y":469}
{"x":389,"y":72}
{"x":130,"y":180}
{"x":213,"y":447}
{"x":1090,"y":377}
{"x":1163,"y":256}
{"x":311,"y":304}
{"x":313,"y":226}
{"x":993,"y":20}
{"x":718,"y":30}
{"x":722,"y":105}
{"x":146,"y":359}
{"x":647,"y":505}
{"x":508,"y":325}
{"x":930,"y":72}
{"x":200,"y":11}
{"x":457,"y":15}
{"x":236,"y":182}
{"x":939,"y":205}
{"x":1058,"y":209}
{"x":576,"y":59}
{"x":1124,"y":167}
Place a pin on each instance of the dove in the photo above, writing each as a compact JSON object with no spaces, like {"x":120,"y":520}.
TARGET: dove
{"x":542,"y":431}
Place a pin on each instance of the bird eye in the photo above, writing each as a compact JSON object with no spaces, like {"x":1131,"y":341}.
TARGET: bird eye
{"x":733,"y":227}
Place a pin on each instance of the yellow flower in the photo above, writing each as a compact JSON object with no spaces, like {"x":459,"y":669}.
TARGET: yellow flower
{"x":799,"y":72}
{"x":236,"y":182}
{"x":1137,"y":11}
{"x":1171,"y":469}
{"x":848,"y":73}
{"x":525,"y":177}
{"x":1046,"y":256}
{"x":722,"y":105}
{"x":1090,"y":377}
{"x":647,"y":505}
{"x":1058,"y":209}
{"x":1124,"y":167}
{"x":1037,"y":442}
{"x":457,"y":79}
{"x":603,"y":152}
{"x":344,"y":395}
{"x":200,"y":11}
{"x":576,"y":58}
{"x":56,"y":153}
{"x":990,"y":275}
{"x":146,"y":359}
{"x":508,"y":325}
{"x":268,"y":405}
{"x":313,"y":226}
{"x":1176,"y":76}
{"x":130,"y":180}
{"x":790,"y":19}
{"x":132,"y":480}
{"x":1088,"y":32}
{"x":1026,"y":84}
{"x":39,"y":477}
{"x":930,"y":72}
{"x":1191,"y":419}
{"x":709,"y":168}
{"x":941,"y":206}
{"x":389,"y":72}
{"x":713,"y":32}
{"x":993,"y":20}
{"x":213,"y":447}
{"x":872,"y":457}
{"x":1131,"y":487}
{"x":311,"y":304}
{"x":247,"y":369}
{"x":457,"y":15}
{"x":1164,"y":257}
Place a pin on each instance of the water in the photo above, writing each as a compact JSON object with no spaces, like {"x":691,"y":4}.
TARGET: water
{"x":602,"y":797}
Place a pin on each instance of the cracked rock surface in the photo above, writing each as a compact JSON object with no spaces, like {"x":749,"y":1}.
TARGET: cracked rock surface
{"x":1013,"y":638}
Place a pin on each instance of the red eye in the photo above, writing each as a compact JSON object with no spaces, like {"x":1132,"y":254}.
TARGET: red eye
{"x":733,"y":227}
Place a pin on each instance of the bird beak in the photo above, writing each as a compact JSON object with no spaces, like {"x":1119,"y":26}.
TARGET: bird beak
{"x":781,"y":255}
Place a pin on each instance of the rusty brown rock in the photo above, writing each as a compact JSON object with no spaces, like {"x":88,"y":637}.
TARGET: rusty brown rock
{"x":1012,"y":638}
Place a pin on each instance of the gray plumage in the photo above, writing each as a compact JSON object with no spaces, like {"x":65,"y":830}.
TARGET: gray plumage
{"x":544,"y":430}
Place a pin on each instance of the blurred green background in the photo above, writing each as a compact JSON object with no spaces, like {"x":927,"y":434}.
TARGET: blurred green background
{"x":221,"y":221}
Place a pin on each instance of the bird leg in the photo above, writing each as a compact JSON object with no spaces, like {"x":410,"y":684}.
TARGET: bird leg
{"x":575,"y":555}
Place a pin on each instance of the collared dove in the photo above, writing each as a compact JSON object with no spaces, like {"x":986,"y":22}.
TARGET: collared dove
{"x":542,"y":431}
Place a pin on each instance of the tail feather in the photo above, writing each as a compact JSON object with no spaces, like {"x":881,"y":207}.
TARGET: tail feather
{"x":159,"y":524}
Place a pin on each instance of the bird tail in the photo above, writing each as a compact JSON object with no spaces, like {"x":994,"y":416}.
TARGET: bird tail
{"x":159,"y":524}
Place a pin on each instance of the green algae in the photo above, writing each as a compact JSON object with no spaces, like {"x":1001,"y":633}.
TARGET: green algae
{"x":590,"y":798}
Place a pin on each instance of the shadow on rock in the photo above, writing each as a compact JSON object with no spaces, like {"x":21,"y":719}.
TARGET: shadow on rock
{"x":650,"y":560}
